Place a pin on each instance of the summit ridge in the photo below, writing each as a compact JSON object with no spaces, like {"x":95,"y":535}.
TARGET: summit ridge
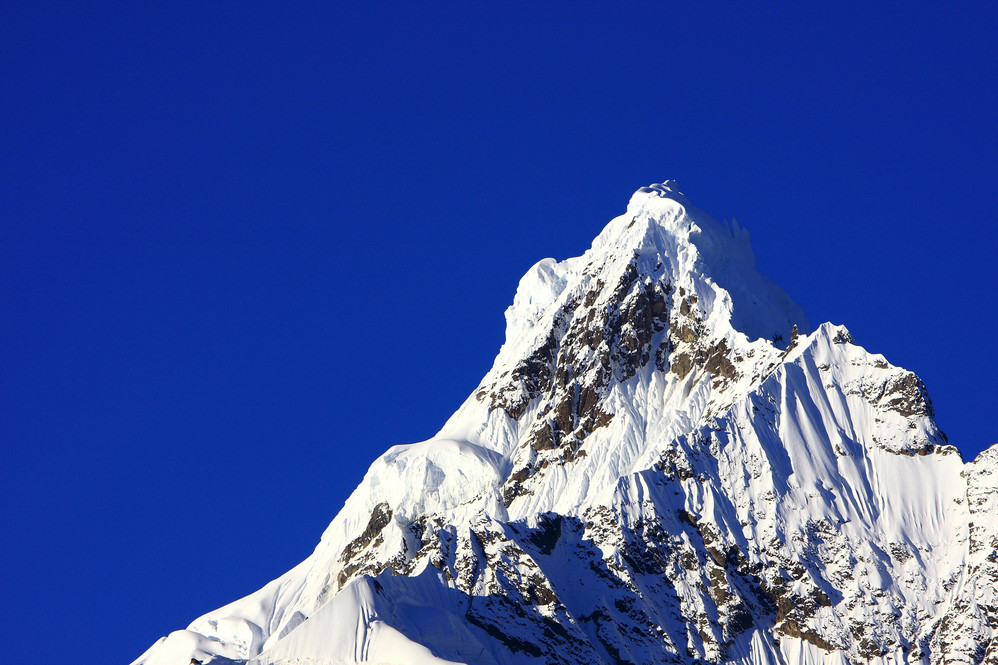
{"x":665,"y":464}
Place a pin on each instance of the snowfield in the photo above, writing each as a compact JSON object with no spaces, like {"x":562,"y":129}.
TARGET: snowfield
{"x":665,"y":464}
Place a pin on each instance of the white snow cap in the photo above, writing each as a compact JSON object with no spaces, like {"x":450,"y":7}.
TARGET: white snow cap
{"x":673,"y":240}
{"x":666,"y":190}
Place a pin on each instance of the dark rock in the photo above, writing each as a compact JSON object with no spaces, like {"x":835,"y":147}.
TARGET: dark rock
{"x":547,"y":534}
{"x":682,"y":365}
{"x":907,"y":396}
{"x":718,"y":362}
{"x":380,"y":517}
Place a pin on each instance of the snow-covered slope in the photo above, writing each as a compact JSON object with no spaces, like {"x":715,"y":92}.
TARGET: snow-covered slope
{"x":665,"y":464}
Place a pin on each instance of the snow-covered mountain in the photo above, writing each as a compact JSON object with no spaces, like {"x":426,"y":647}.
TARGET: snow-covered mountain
{"x":665,"y":464}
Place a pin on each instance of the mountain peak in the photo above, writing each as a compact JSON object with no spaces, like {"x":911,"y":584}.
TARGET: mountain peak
{"x":662,"y":466}
{"x":668,"y":189}
{"x":663,"y":238}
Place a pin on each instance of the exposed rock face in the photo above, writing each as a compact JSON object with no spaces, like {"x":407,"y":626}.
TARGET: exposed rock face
{"x":664,"y":465}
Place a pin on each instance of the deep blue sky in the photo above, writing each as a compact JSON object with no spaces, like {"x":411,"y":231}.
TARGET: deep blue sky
{"x":246,"y":248}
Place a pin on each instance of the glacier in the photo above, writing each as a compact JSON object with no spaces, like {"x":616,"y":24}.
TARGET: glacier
{"x":665,"y":464}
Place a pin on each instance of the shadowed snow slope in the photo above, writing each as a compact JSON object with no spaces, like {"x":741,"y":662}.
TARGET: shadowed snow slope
{"x":664,"y":465}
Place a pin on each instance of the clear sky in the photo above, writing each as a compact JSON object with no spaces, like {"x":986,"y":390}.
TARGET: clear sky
{"x":246,"y":247}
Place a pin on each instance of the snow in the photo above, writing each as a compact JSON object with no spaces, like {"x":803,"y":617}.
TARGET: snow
{"x":348,"y":630}
{"x":434,"y":477}
{"x":538,"y":289}
{"x":806,"y":437}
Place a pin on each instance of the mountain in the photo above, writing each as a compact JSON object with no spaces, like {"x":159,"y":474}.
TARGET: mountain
{"x":665,"y":464}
